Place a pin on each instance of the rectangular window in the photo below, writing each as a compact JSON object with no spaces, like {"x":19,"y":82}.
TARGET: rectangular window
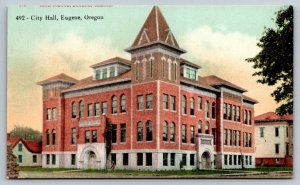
{"x":246,"y":157}
{"x":104,"y":107}
{"x":250,"y":140}
{"x":214,"y":135}
{"x":34,"y":159}
{"x":225,"y":110}
{"x":238,"y":113}
{"x":229,"y":111}
{"x":73,"y":139}
{"x":239,"y":159}
{"x":125,"y":159}
{"x":74,"y":110}
{"x":149,"y":103}
{"x":97,"y":109}
{"x":234,"y":138}
{"x":123,"y":133}
{"x":250,"y":160}
{"x":113,"y":159}
{"x":287,"y":131}
{"x":139,"y":159}
{"x":234,"y":160}
{"x":225,"y":136}
{"x":183,"y":133}
{"x":192,"y":159}
{"x":112,"y":71}
{"x":97,"y":75}
{"x":165,"y":159}
{"x":165,"y":101}
{"x":114,"y":133}
{"x":192,"y":134}
{"x":277,"y":131}
{"x":47,"y":158}
{"x":230,"y":159}
{"x":48,"y":114}
{"x":140,"y":104}
{"x":239,"y":138}
{"x":104,"y":73}
{"x":172,"y":99}
{"x":184,"y":159}
{"x":73,"y":159}
{"x":148,"y":159}
{"x":54,"y":113}
{"x":20,"y":147}
{"x":234,"y":112}
{"x":249,"y":117}
{"x":276,"y":148}
{"x":20,"y":159}
{"x":199,"y":103}
{"x":172,"y":159}
{"x":230,"y":137}
{"x":225,"y":160}
{"x":53,"y":159}
{"x":94,"y":136}
{"x":245,"y":116}
{"x":90,"y":111}
{"x":87,"y":136}
{"x":261,"y":129}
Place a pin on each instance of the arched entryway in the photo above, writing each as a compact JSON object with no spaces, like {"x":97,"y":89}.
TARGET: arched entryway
{"x":205,"y":160}
{"x":90,"y":160}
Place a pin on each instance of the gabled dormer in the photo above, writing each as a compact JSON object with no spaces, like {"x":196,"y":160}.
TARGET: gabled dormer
{"x":189,"y":70}
{"x":110,"y":68}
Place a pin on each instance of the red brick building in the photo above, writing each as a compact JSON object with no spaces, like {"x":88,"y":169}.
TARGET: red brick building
{"x":150,"y":112}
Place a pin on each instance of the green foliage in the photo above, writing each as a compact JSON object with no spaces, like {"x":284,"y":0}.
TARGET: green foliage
{"x":26,"y":133}
{"x":275,"y":60}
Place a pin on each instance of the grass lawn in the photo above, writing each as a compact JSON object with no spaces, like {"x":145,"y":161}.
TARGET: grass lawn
{"x":39,"y":169}
{"x":270,"y":168}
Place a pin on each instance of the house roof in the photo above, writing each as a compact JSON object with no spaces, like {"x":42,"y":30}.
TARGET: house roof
{"x":58,"y":78}
{"x":112,"y":61}
{"x":32,"y":146}
{"x":273,"y":116}
{"x":217,"y":81}
{"x":247,"y":98}
{"x":155,"y":30}
{"x":199,"y":83}
{"x":183,"y":61}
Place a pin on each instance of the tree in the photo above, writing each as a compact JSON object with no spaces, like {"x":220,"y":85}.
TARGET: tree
{"x":275,"y":60}
{"x":26,"y":133}
{"x":12,"y":170}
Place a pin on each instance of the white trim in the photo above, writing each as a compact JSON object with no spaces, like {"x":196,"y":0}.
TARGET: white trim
{"x":158,"y":115}
{"x":144,"y":33}
{"x":156,"y":49}
{"x":199,"y":92}
{"x":157,"y":29}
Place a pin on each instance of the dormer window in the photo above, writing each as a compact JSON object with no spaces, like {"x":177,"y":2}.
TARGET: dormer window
{"x":104,"y":73}
{"x":190,"y":73}
{"x":112,"y":71}
{"x":98,"y":74}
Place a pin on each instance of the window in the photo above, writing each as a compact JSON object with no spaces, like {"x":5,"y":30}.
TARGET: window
{"x":165,"y":131}
{"x":169,"y":69}
{"x":165,"y":101}
{"x":199,"y":102}
{"x":207,"y":109}
{"x":225,"y":137}
{"x":165,"y":159}
{"x":81,"y":109}
{"x":140,"y":159}
{"x":112,"y":71}
{"x":184,"y":159}
{"x":97,"y":109}
{"x":73,"y":159}
{"x":190,"y":73}
{"x":94,"y":136}
{"x":183,"y":105}
{"x":246,"y":157}
{"x":225,"y":160}
{"x":53,"y":137}
{"x":230,"y":137}
{"x":172,"y":132}
{"x":192,"y":106}
{"x":148,"y":159}
{"x":245,"y":116}
{"x":74,"y":110}
{"x":239,"y":138}
{"x":207,"y":128}
{"x":48,"y":114}
{"x":104,"y":73}
{"x":192,"y":134}
{"x":149,"y":131}
{"x":113,"y":158}
{"x":238,"y":113}
{"x":20,"y":147}
{"x":140,"y":131}
{"x":173,"y":107}
{"x":151,"y":68}
{"x":163,"y":68}
{"x":287,"y":131}
{"x":114,"y":105}
{"x":87,"y":136}
{"x":90,"y":111}
{"x":123,"y":133}
{"x":98,"y":74}
{"x":175,"y":71}
{"x":123,"y":103}
{"x":183,"y":133}
{"x":234,"y":112}
{"x":47,"y":137}
{"x":113,"y":133}
{"x":53,"y":159}
{"x":239,"y":159}
{"x":214,"y":135}
{"x":34,"y":159}
{"x":149,"y":100}
{"x":213,"y":110}
{"x":250,"y":160}
{"x":229,"y":111}
{"x":54,"y":113}
{"x":125,"y":159}
{"x":73,"y":140}
{"x":104,"y":107}
{"x":192,"y":159}
{"x":137,"y":71}
{"x":250,"y":140}
{"x":172,"y":159}
{"x":277,"y":131}
{"x":230,"y":159}
{"x":225,"y":110}
{"x":140,"y":104}
{"x":234,"y":160}
{"x":47,"y":158}
{"x":234,"y":138}
{"x":249,"y":117}
{"x":199,"y":127}
{"x":20,"y":159}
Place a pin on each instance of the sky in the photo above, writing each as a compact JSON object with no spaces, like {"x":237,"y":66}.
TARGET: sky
{"x":218,"y":38}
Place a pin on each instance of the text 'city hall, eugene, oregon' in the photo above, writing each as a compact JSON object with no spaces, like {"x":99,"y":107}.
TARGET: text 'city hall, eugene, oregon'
{"x":152,"y":112}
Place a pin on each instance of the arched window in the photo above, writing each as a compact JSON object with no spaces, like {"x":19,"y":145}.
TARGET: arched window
{"x":53,"y":137}
{"x":172,"y":132}
{"x":137,"y":71}
{"x":47,"y":137}
{"x":151,"y":68}
{"x":149,"y":131}
{"x":165,"y":131}
{"x":207,"y":128}
{"x":199,"y":127}
{"x":81,"y":109}
{"x":74,"y":111}
{"x":175,"y":71}
{"x":213,"y":110}
{"x":183,"y":105}
{"x":163,"y":67}
{"x":140,"y":131}
{"x":192,"y":106}
{"x":114,"y":105}
{"x":123,"y":103}
{"x":207,"y":109}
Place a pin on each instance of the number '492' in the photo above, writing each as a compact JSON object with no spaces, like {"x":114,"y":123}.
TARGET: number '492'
{"x":20,"y":17}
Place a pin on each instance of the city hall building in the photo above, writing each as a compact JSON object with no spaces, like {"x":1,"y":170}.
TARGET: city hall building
{"x":151,"y":112}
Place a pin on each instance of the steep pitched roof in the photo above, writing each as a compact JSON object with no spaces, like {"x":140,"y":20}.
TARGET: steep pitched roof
{"x":111,"y":61}
{"x":199,"y":83}
{"x":32,"y":146}
{"x":272,"y":116}
{"x":58,"y":78}
{"x":217,"y":81}
{"x":155,"y":30}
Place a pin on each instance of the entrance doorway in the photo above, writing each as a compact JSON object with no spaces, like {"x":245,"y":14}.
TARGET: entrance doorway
{"x":205,"y":160}
{"x":90,"y":160}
